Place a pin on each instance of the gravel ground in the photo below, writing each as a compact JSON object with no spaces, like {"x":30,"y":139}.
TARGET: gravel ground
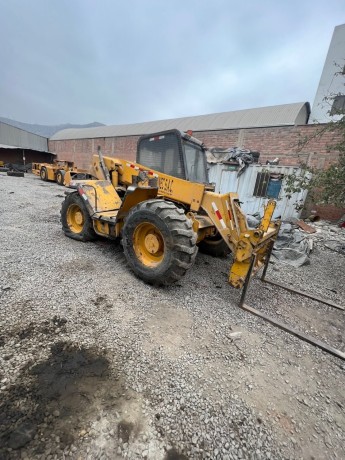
{"x":95,"y":364}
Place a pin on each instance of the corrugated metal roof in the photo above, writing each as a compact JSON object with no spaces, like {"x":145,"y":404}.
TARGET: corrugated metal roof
{"x":277,"y":115}
{"x":18,"y":138}
{"x":4,"y":146}
{"x":14,"y":147}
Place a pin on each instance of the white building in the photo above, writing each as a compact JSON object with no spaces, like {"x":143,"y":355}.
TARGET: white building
{"x":331,"y":82}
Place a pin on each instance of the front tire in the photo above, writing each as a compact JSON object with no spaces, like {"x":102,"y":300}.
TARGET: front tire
{"x":44,"y":174}
{"x":60,"y":176}
{"x":159,"y":242}
{"x":75,"y":219}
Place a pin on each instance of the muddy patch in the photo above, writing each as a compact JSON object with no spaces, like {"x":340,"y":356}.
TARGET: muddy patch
{"x":124,"y":430}
{"x":102,"y":301}
{"x":174,"y":454}
{"x":57,"y":401}
{"x":21,"y":334}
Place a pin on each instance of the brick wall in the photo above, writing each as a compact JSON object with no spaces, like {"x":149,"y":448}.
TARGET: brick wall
{"x":81,"y":150}
{"x":328,"y":212}
{"x":271,"y":142}
{"x":281,"y":142}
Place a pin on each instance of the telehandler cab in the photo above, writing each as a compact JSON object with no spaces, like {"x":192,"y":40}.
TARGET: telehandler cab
{"x":164,"y":208}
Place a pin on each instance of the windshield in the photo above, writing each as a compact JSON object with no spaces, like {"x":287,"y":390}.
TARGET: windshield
{"x":195,"y":162}
{"x":161,"y":153}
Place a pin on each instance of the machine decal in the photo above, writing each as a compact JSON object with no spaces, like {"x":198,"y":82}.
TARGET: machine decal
{"x":228,"y":208}
{"x":82,"y":194}
{"x":218,"y":214}
{"x":150,"y":173}
{"x":132,"y":166}
{"x":165,"y":185}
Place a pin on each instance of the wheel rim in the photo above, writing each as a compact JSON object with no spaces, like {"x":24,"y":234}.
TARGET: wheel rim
{"x":75,"y":218}
{"x":58,"y":178}
{"x":43,"y":173}
{"x":148,"y":244}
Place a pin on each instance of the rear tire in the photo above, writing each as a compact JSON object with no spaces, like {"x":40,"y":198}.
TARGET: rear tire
{"x":75,"y":219}
{"x":214,"y":246}
{"x":159,"y":242}
{"x":44,"y":174}
{"x":60,"y":176}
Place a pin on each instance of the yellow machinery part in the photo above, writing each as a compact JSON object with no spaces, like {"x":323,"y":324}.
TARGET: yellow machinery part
{"x":100,"y":195}
{"x":266,"y":220}
{"x":208,"y":211}
{"x":36,"y":168}
{"x":75,"y":218}
{"x":102,"y":228}
{"x":148,"y":244}
{"x":67,"y":179}
{"x":173,"y":188}
{"x":50,"y":173}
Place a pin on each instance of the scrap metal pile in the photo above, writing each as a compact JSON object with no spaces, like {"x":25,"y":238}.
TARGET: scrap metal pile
{"x":244,"y":157}
{"x":296,"y":240}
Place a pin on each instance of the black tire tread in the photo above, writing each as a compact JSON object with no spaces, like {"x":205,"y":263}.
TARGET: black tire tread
{"x":46,"y":177}
{"x":88,"y":233}
{"x":213,"y":248}
{"x":62,"y":173}
{"x":184,"y":247}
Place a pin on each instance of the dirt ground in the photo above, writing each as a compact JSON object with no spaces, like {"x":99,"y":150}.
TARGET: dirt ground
{"x":96,"y":364}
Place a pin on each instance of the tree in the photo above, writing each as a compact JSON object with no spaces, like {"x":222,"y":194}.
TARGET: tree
{"x":325,"y":186}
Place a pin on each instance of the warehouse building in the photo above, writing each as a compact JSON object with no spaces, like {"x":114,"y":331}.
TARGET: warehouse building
{"x":21,"y":147}
{"x":243,"y":128}
{"x":276,"y":132}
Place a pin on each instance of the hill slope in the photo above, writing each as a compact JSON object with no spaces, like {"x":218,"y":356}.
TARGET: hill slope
{"x":46,"y":130}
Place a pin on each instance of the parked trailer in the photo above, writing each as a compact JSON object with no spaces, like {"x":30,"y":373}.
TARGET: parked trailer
{"x":56,"y":171}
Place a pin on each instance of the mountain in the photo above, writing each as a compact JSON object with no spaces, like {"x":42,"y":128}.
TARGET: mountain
{"x":46,"y":130}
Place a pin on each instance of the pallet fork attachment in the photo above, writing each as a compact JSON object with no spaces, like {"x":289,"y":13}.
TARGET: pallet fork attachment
{"x":307,"y":338}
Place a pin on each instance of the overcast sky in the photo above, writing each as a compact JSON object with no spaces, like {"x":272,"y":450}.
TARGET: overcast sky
{"x":129,"y":61}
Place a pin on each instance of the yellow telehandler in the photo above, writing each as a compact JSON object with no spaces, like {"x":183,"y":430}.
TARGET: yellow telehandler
{"x":164,"y":209}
